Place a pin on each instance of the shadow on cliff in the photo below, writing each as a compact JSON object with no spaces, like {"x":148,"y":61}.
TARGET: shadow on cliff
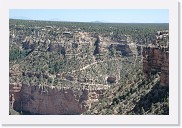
{"x":158,"y":96}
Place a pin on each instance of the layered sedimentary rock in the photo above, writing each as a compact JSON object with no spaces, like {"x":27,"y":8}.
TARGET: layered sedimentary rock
{"x":14,"y":95}
{"x":53,"y":100}
{"x":156,"y":60}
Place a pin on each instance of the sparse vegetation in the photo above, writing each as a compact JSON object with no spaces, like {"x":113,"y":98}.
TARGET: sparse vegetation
{"x":89,"y":55}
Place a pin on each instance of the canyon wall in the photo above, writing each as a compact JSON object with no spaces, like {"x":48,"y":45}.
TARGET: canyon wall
{"x":156,"y":60}
{"x":48,"y":100}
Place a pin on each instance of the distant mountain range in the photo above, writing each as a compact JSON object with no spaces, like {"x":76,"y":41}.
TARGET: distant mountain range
{"x":97,"y":22}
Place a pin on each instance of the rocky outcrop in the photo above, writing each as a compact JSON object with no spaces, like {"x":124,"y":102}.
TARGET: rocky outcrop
{"x":14,"y":95}
{"x":164,"y":76}
{"x":123,"y":48}
{"x":162,"y":38}
{"x":28,"y":43}
{"x":156,"y":60}
{"x":56,"y":48}
{"x":111,"y":79}
{"x":54,"y":100}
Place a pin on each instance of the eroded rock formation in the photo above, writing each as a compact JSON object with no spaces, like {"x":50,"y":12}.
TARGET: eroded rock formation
{"x":14,"y":95}
{"x":156,"y":60}
{"x":124,"y":49}
{"x":52,"y":100}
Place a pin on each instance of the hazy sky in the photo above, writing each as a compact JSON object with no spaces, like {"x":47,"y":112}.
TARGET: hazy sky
{"x":89,"y":15}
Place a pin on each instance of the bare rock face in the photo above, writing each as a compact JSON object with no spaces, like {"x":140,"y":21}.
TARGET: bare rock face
{"x":55,"y":101}
{"x":14,"y":95}
{"x":156,"y":59}
{"x":165,"y":70}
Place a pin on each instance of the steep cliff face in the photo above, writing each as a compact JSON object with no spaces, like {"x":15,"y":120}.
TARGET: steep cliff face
{"x":156,"y":60}
{"x":164,"y":76}
{"x":54,"y":101}
{"x":14,"y":95}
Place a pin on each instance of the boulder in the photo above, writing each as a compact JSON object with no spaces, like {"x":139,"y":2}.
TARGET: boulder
{"x":111,"y":79}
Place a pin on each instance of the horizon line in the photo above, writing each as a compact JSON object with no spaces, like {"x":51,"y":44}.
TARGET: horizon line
{"x":87,"y":21}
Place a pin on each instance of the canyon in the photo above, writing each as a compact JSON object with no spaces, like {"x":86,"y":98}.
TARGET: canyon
{"x":68,"y":70}
{"x":52,"y":100}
